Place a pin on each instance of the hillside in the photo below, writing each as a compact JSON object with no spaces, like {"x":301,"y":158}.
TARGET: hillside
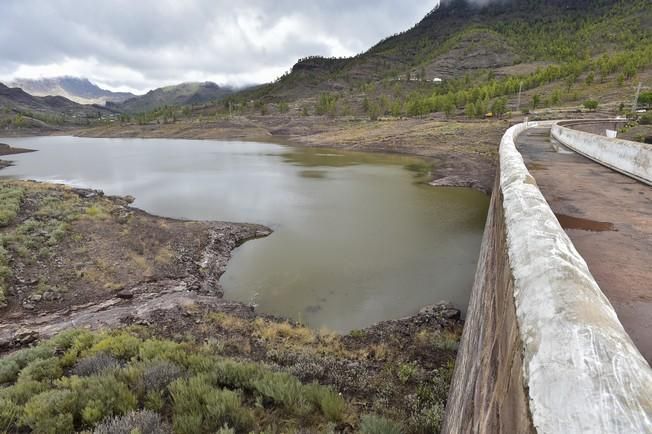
{"x":466,"y":46}
{"x":18,"y":109}
{"x":79,"y":90}
{"x":177,"y":95}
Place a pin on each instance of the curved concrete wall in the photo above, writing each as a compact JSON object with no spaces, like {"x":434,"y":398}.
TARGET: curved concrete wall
{"x":542,"y":350}
{"x":631,"y":158}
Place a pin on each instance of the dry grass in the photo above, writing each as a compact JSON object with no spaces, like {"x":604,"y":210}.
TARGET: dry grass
{"x":283,"y":331}
{"x":164,"y":256}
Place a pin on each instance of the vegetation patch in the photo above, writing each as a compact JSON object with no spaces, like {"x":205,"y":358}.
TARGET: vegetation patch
{"x":82,"y":380}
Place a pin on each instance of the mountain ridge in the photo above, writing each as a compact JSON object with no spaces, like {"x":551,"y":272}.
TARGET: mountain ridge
{"x":186,"y":93}
{"x":79,"y":90}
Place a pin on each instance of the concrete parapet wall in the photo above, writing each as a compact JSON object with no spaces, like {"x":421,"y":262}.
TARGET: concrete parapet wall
{"x":542,"y":350}
{"x":630,"y":158}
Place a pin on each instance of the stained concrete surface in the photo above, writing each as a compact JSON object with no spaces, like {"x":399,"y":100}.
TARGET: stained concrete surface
{"x":587,"y":196}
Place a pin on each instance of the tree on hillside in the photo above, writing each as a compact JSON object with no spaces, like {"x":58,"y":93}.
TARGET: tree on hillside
{"x":499,"y":106}
{"x":591,"y":104}
{"x":645,"y":99}
{"x":536,"y":100}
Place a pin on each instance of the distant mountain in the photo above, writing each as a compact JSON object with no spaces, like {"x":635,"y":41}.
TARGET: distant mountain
{"x":177,"y":95}
{"x":79,"y":90}
{"x":18,"y":108}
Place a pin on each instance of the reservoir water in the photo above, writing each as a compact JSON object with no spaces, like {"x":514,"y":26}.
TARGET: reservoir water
{"x":357,"y":238}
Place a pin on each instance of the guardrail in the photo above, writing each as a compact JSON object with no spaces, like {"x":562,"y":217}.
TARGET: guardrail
{"x":543,"y":350}
{"x":633,"y":159}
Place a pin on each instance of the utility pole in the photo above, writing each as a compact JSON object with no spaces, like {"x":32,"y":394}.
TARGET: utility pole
{"x":638,"y":92}
{"x":518,"y":104}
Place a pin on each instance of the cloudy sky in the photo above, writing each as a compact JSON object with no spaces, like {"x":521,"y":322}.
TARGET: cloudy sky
{"x":136,"y":45}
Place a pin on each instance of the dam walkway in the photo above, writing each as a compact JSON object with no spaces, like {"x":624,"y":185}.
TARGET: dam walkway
{"x":608,"y":217}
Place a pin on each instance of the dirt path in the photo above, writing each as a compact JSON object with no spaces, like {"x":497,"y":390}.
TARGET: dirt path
{"x":608,"y":216}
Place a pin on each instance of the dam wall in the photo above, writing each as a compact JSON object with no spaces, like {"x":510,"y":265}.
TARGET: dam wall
{"x":542,"y":350}
{"x":633,"y":159}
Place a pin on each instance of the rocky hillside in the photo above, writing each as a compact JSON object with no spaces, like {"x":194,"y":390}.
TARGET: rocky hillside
{"x":459,"y":38}
{"x":18,"y":109}
{"x":79,"y":90}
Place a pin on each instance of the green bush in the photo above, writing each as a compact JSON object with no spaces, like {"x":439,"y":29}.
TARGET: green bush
{"x":591,"y":104}
{"x":23,"y":391}
{"x":331,"y":403}
{"x":406,"y":372}
{"x":200,"y":407}
{"x":8,"y":370}
{"x":42,"y":370}
{"x":428,"y":420}
{"x":372,"y":424}
{"x":156,"y":349}
{"x":81,"y":380}
{"x":10,"y":199}
{"x":10,"y":413}
{"x":645,"y":119}
{"x":99,"y":396}
{"x":50,"y":412}
{"x":122,"y":346}
{"x":285,"y":390}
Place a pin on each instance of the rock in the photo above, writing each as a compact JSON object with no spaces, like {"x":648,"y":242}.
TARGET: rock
{"x":28,"y":306}
{"x":129,"y":199}
{"x":87,"y":193}
{"x":443,"y":310}
{"x":25,"y":336}
{"x":125,"y":294}
{"x":35,"y":297}
{"x":451,"y":314}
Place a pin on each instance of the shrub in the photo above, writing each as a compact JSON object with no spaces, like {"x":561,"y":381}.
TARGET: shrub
{"x":98,"y":397}
{"x":143,"y":422}
{"x":645,"y":119}
{"x":8,"y":370}
{"x":331,"y":403}
{"x":50,"y":412}
{"x":10,"y":199}
{"x":9,"y":414}
{"x":406,"y":372}
{"x":23,"y":391}
{"x":123,"y":346}
{"x":428,"y":420}
{"x":590,"y":104}
{"x":372,"y":424}
{"x":93,"y":365}
{"x":156,"y":376}
{"x":155,"y":349}
{"x":285,"y":390}
{"x":200,"y":407}
{"x":235,"y":375}
{"x":41,"y":370}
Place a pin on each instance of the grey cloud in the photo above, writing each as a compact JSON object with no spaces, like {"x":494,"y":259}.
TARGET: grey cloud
{"x":148,"y":42}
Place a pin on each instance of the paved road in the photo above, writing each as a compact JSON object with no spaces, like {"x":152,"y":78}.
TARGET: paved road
{"x":609,"y":218}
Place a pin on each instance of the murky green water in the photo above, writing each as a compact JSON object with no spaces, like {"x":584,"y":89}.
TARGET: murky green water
{"x":356,"y":238}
